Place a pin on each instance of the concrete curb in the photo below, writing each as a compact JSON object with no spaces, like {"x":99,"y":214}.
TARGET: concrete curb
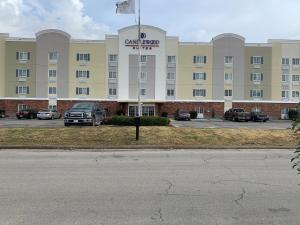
{"x":141,"y":147}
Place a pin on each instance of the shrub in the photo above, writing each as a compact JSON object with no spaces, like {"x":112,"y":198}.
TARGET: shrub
{"x":293,"y":114}
{"x":193,"y":114}
{"x":145,"y":121}
{"x":120,"y":112}
{"x":164,"y":114}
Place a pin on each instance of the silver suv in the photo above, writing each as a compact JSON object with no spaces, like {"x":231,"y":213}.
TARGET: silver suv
{"x":85,"y":113}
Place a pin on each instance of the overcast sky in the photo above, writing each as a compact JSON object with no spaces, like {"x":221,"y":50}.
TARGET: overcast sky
{"x":191,"y":20}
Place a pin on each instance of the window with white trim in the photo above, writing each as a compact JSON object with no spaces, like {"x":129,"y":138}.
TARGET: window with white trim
{"x":170,"y":92}
{"x":295,"y":61}
{"x":112,"y":91}
{"x":22,"y":73}
{"x":171,"y":76}
{"x":285,"y":78}
{"x":199,"y":76}
{"x":113,"y":58}
{"x":142,"y":91}
{"x":228,"y":59}
{"x":52,"y":107}
{"x":23,"y":56}
{"x":52,"y":91}
{"x":53,"y":56}
{"x":82,"y":91}
{"x":295,"y":78}
{"x":144,"y":58}
{"x":82,"y":74}
{"x":285,"y":61}
{"x":228,"y":76}
{"x":52,"y":73}
{"x":257,"y":77}
{"x":199,"y":92}
{"x":146,"y":110}
{"x":143,"y":76}
{"x":22,"y":107}
{"x":295,"y":94}
{"x":171,"y":59}
{"x":22,"y":90}
{"x":228,"y":93}
{"x":199,"y":59}
{"x":285,"y":94}
{"x":112,"y":75}
{"x":83,"y":57}
{"x":257,"y":60}
{"x":256,"y":93}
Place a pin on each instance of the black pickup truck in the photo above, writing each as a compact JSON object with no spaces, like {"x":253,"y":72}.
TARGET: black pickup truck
{"x":85,"y":113}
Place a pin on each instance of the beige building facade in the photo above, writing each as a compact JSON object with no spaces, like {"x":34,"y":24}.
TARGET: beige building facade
{"x":208,"y":77}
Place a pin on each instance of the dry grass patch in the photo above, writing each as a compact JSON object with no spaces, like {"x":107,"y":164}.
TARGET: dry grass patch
{"x":117,"y":136}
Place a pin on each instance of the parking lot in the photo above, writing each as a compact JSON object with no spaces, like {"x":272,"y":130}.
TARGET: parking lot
{"x":198,"y":123}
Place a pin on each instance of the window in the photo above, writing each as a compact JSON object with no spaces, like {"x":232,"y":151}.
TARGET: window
{"x":52,"y":73}
{"x":171,"y":76}
{"x":170,"y":92}
{"x":199,"y":76}
{"x":143,"y":76}
{"x":228,"y":93}
{"x":82,"y":74}
{"x":112,"y":75}
{"x":257,"y":60}
{"x":143,"y":58}
{"x":295,"y":61}
{"x":285,"y":61}
{"x":199,"y":92}
{"x":257,"y":76}
{"x":284,"y":94}
{"x":295,"y":94}
{"x":22,"y":73}
{"x":112,"y":91}
{"x":256,"y":93}
{"x":83,"y":57}
{"x":133,"y":111}
{"x":143,"y":92}
{"x":228,"y":59}
{"x":52,"y":90}
{"x":199,"y":59}
{"x":228,"y":76}
{"x":82,"y":91}
{"x":53,"y":56}
{"x":23,"y":56}
{"x":171,"y":59}
{"x":22,"y":107}
{"x":52,"y":107}
{"x":146,"y":110}
{"x":22,"y":90}
{"x":295,"y":78}
{"x":113,"y":58}
{"x":285,"y":77}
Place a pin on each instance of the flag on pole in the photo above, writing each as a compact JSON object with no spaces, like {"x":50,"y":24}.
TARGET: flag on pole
{"x":126,"y":7}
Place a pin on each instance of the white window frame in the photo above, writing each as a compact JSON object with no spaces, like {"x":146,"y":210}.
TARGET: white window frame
{"x":52,"y":90}
{"x":84,"y":57}
{"x":199,"y":76}
{"x":256,"y":77}
{"x":113,"y":58}
{"x":23,"y":56}
{"x":295,"y":61}
{"x":83,"y":74}
{"x":256,"y":93}
{"x":171,"y":59}
{"x":53,"y":56}
{"x":112,"y":74}
{"x":83,"y":91}
{"x":199,"y":92}
{"x":257,"y":60}
{"x":170,"y":92}
{"x":52,"y":73}
{"x":228,"y":93}
{"x":295,"y":78}
{"x":22,"y":73}
{"x":22,"y":90}
{"x":171,"y":76}
{"x":285,"y":94}
{"x":22,"y":107}
{"x":296,"y":94}
{"x":112,"y":91}
{"x":199,"y":59}
{"x":228,"y":76}
{"x":285,"y":61}
{"x":143,"y":76}
{"x":285,"y":78}
{"x":144,"y":58}
{"x":228,"y":60}
{"x":143,"y":91}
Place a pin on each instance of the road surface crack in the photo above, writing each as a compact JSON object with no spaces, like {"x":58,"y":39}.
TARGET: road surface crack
{"x":158,"y":215}
{"x":240,"y":198}
{"x":169,"y":187}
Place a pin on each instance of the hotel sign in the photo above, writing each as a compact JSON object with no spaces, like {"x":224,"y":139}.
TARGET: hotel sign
{"x":145,"y":43}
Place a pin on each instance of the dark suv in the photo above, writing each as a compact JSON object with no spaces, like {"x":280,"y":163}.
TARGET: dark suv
{"x":27,"y":113}
{"x":85,"y":113}
{"x":182,"y":115}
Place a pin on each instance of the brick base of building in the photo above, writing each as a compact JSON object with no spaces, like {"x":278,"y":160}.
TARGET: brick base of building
{"x":209,"y":109}
{"x":273,"y":110}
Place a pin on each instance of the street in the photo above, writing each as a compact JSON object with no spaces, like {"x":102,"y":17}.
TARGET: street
{"x":210,"y":187}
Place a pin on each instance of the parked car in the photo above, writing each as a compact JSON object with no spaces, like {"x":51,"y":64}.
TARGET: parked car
{"x":2,"y":113}
{"x":237,"y":114}
{"x":27,"y":113}
{"x":259,"y":116}
{"x":48,"y":114}
{"x":85,"y":113}
{"x":182,"y":115}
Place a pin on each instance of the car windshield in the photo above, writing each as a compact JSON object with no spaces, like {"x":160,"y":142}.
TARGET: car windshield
{"x":85,"y":105}
{"x":239,"y":110}
{"x":44,"y":110}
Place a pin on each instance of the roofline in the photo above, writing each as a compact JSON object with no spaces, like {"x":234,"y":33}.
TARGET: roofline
{"x":228,"y":35}
{"x":53,"y":31}
{"x":283,"y":41}
{"x":142,"y":26}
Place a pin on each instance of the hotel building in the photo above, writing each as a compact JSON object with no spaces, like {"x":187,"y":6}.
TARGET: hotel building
{"x":53,"y":70}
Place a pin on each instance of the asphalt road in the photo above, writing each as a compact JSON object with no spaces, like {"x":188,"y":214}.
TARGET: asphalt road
{"x":136,"y":188}
{"x":214,"y":123}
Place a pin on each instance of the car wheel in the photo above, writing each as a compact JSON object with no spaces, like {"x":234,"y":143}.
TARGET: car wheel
{"x":18,"y":118}
{"x":67,"y":124}
{"x":52,"y":117}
